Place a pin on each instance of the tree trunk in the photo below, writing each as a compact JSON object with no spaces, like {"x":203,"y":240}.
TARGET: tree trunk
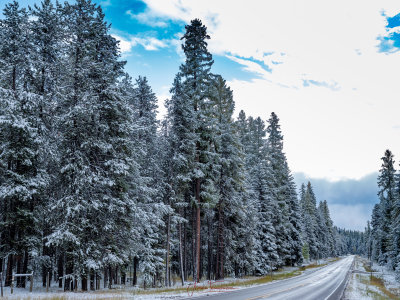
{"x":123,"y":277}
{"x":10,"y":267}
{"x":116,"y":281}
{"x":92,"y":280}
{"x":18,"y":259}
{"x":45,"y":268}
{"x":25,"y":268}
{"x":168,"y":248}
{"x":105,"y":278}
{"x":60,"y":269}
{"x":14,"y":78}
{"x":181,"y":255}
{"x":194,"y":265}
{"x":185,"y":256}
{"x":135,"y":265}
{"x":198,"y":233}
{"x":209,"y":250}
{"x":84,"y":281}
{"x":69,"y":270}
{"x":110,"y":277}
{"x":220,"y":244}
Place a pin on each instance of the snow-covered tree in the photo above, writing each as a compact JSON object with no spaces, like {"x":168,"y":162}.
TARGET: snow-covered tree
{"x":94,"y":211}
{"x":309,"y":211}
{"x":22,"y":176}
{"x":280,"y":184}
{"x":387,"y":194}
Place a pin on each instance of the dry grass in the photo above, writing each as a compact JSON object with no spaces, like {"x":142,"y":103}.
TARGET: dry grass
{"x":367,"y":267}
{"x":225,"y":286}
{"x":108,"y":294}
{"x":379,"y":283}
{"x":248,"y":281}
{"x":267,"y":278}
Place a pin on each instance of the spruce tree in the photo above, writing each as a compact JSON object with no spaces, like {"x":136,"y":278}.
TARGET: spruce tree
{"x":229,"y":213}
{"x":94,"y":211}
{"x":47,"y":44}
{"x":310,"y":221}
{"x":22,"y":176}
{"x":191,"y":92}
{"x":259,"y":172}
{"x":387,"y":194}
{"x":280,"y":189}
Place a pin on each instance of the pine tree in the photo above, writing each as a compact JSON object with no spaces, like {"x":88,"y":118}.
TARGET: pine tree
{"x":47,"y":44}
{"x":22,"y":176}
{"x":310,"y":228}
{"x":148,"y":192}
{"x":191,"y":109}
{"x":396,"y":227}
{"x":328,"y":226}
{"x":181,"y":140}
{"x":94,"y":212}
{"x":228,"y":212}
{"x":281,"y":190}
{"x":386,"y":184}
{"x":368,"y":240}
{"x":268,"y":258}
{"x":252,"y":252}
{"x":295,"y":219}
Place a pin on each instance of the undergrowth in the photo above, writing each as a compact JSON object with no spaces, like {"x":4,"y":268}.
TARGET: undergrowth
{"x":378,"y":282}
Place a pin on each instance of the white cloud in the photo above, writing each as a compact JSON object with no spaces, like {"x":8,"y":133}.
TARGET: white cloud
{"x":149,"y":43}
{"x":249,"y":65}
{"x":124,"y":45}
{"x":147,"y":18}
{"x":329,"y":132}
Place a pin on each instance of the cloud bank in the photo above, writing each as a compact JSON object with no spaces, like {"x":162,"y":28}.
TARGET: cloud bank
{"x":350,"y":201}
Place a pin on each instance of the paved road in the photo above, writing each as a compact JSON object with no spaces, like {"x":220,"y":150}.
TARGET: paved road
{"x":326,"y":283}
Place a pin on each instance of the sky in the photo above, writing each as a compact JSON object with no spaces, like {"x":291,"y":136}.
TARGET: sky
{"x":329,"y":69}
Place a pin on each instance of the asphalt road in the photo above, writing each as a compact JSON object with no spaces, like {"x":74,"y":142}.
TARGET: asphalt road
{"x":326,"y":283}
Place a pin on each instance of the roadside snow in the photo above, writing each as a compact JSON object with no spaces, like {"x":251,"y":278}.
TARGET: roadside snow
{"x":359,"y":287}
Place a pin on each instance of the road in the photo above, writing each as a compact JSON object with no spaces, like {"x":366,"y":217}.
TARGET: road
{"x":326,"y":283}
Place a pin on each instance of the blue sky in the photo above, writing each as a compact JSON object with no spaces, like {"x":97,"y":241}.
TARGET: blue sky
{"x":159,"y":62}
{"x":329,"y":69}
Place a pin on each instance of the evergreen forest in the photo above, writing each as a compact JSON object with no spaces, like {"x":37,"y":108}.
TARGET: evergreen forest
{"x":96,"y":190}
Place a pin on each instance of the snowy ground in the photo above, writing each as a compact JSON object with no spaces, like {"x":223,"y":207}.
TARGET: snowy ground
{"x":137,"y":294}
{"x":362,"y":286}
